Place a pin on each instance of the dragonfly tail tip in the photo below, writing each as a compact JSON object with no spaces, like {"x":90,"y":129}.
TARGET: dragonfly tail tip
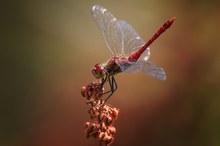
{"x":173,"y":19}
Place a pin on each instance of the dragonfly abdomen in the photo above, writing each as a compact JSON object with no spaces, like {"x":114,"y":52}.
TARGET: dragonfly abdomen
{"x":162,"y":29}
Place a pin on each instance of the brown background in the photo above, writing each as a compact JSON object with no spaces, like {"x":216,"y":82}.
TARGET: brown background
{"x":49,"y":47}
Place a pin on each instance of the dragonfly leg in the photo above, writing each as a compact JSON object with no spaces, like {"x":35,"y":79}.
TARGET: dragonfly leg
{"x":113,"y":86}
{"x":110,"y":84}
{"x":104,"y":80}
{"x":116,"y":86}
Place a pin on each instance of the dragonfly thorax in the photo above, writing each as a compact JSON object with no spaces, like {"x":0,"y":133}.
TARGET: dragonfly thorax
{"x":98,"y":71}
{"x":112,"y":67}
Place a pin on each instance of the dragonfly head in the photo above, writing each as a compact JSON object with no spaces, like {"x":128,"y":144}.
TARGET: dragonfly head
{"x":98,"y":71}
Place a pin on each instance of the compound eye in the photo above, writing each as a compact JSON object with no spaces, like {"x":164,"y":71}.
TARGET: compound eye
{"x":98,"y":71}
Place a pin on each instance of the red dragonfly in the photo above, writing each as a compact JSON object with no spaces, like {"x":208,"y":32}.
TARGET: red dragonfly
{"x":129,"y":52}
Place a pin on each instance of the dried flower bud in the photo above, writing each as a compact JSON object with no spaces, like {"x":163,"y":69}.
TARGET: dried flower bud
{"x":105,"y":138}
{"x":111,"y":129}
{"x":92,"y":129}
{"x":83,"y":91}
{"x":93,"y":90}
{"x":106,"y":115}
{"x":94,"y":113}
{"x":115,"y":112}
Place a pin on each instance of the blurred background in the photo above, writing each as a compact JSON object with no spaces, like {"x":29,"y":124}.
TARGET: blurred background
{"x":49,"y":47}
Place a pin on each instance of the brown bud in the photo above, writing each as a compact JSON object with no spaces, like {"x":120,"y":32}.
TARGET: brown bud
{"x":92,"y":129}
{"x":93,"y":90}
{"x":105,"y":114}
{"x":111,"y":130}
{"x":115,"y":112}
{"x":83,"y":91}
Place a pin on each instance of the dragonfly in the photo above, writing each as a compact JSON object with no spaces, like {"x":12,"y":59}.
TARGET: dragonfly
{"x":129,"y":52}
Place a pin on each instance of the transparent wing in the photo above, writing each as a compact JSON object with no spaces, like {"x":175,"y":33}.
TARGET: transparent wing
{"x":154,"y":71}
{"x":147,"y":67}
{"x":132,"y":41}
{"x":110,"y":29}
